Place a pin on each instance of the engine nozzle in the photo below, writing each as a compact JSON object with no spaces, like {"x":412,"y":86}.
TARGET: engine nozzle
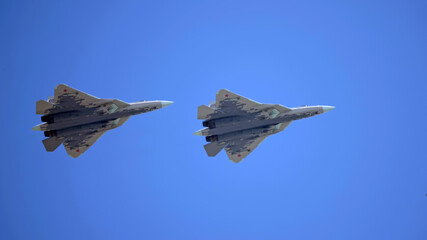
{"x":51,"y":133}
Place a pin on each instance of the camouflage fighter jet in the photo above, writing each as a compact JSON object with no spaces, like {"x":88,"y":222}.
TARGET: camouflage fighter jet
{"x":239,"y":124}
{"x":78,"y":120}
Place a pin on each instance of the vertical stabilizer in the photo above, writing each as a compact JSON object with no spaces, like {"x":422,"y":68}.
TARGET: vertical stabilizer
{"x":42,"y":106}
{"x":52,"y":143}
{"x":213,"y":148}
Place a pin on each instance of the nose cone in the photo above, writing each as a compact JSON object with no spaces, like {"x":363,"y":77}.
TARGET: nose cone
{"x":327,"y":108}
{"x":166,"y":103}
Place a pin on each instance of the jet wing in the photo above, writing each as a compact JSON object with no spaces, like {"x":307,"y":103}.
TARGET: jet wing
{"x":229,"y":102}
{"x":68,"y":97}
{"x":238,"y":149}
{"x":77,"y":144}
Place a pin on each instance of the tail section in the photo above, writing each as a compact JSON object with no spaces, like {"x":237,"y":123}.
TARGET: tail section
{"x":52,"y":143}
{"x":213,"y":148}
{"x":204,"y":111}
{"x":42,"y":106}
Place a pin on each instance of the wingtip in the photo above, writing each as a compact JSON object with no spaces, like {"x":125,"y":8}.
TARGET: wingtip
{"x":236,"y":160}
{"x":73,"y":155}
{"x":223,"y":90}
{"x":61,"y":85}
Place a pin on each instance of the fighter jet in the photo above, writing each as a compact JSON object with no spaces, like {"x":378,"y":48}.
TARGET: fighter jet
{"x":78,"y":119}
{"x":239,"y":124}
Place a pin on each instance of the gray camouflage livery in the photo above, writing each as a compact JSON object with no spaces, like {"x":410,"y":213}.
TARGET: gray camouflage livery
{"x":78,"y":120}
{"x":239,"y":124}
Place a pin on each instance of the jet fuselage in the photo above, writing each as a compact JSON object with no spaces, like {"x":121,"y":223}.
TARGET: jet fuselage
{"x":77,"y":119}
{"x":222,"y":129}
{"x":238,"y":124}
{"x":92,"y":119}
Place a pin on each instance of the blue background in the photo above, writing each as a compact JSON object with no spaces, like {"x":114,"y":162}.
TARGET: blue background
{"x":357,"y":172}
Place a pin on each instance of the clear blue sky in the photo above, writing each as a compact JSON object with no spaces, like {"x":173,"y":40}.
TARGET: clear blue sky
{"x":357,"y":172}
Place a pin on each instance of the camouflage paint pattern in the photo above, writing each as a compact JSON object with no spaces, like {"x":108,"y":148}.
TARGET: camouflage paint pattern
{"x":77,"y":119}
{"x":239,"y":124}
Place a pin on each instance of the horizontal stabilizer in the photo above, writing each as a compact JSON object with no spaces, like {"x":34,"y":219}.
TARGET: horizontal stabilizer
{"x":42,"y":106}
{"x":204,"y":111}
{"x":52,"y":143}
{"x":213,"y":148}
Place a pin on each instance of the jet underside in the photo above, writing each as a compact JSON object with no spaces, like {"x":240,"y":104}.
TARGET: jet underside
{"x":77,"y":120}
{"x":239,"y":125}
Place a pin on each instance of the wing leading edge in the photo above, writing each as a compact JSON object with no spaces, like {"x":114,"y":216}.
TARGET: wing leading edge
{"x":227,"y":102}
{"x":63,"y":92}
